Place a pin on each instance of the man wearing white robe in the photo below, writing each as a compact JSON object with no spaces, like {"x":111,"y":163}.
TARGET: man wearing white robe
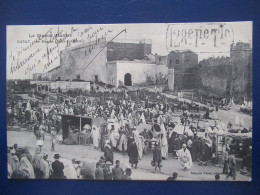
{"x":95,"y":134}
{"x":139,"y":142}
{"x":185,"y":157}
{"x":70,"y":169}
{"x":28,"y":105}
{"x":164,"y":142}
{"x":143,"y":118}
{"x":114,"y":137}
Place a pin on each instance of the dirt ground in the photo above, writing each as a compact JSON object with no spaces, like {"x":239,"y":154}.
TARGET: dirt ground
{"x":143,"y":172}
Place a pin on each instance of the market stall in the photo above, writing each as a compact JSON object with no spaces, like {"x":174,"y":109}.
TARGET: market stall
{"x":72,"y":126}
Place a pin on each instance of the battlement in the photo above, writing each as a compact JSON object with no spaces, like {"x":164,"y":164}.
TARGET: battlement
{"x":240,"y":46}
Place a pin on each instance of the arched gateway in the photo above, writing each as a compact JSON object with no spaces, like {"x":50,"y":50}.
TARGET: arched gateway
{"x":128,"y":79}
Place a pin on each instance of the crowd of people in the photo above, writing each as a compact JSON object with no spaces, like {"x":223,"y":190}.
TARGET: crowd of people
{"x":133,"y":125}
{"x":23,"y":165}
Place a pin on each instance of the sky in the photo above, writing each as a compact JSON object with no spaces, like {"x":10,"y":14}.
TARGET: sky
{"x":36,"y":48}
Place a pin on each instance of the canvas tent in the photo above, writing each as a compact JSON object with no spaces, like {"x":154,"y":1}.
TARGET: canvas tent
{"x":78,"y":122}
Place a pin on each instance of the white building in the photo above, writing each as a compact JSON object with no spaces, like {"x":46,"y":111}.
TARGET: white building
{"x":132,"y":72}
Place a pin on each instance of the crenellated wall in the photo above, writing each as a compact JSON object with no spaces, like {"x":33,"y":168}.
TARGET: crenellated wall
{"x":127,"y":51}
{"x":228,"y":75}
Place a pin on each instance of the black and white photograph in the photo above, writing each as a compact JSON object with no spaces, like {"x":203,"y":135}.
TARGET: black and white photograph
{"x":144,"y":101}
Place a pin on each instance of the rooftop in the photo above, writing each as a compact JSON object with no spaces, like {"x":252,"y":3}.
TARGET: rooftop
{"x":133,"y":41}
{"x":134,"y":61}
{"x":182,"y":51}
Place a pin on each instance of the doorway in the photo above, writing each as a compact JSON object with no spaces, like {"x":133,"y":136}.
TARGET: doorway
{"x":128,"y":80}
{"x":96,"y":78}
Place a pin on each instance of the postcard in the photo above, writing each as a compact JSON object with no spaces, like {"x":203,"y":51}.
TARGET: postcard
{"x":152,"y":101}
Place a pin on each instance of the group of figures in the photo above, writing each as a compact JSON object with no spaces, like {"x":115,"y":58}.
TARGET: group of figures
{"x":131,"y":127}
{"x":23,"y":165}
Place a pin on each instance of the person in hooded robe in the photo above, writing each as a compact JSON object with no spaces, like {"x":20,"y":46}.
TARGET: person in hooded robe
{"x":103,"y":135}
{"x":95,"y":134}
{"x":196,"y":148}
{"x":26,"y":166}
{"x":133,"y":153}
{"x":171,"y":137}
{"x":214,"y":115}
{"x":140,"y":142}
{"x":130,"y":117}
{"x":122,"y":146}
{"x":157,"y":157}
{"x":71,"y":111}
{"x":177,"y":144}
{"x":53,"y":138}
{"x":135,"y":119}
{"x":163,"y":142}
{"x":9,"y":170}
{"x":189,"y":146}
{"x":36,"y":163}
{"x":112,"y":115}
{"x":114,"y":136}
{"x":108,"y":152}
{"x":121,"y":119}
{"x":45,"y":166}
{"x":87,"y":171}
{"x":27,"y":115}
{"x":206,"y":150}
{"x":142,"y":117}
{"x":206,"y":115}
{"x":33,"y":116}
{"x":13,"y":161}
{"x":27,"y":153}
{"x":28,"y":105}
{"x":185,"y":158}
{"x":156,"y":129}
{"x":86,"y":132}
{"x":70,"y":169}
{"x":9,"y":115}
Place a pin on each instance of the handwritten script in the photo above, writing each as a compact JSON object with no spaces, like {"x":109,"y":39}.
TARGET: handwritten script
{"x":42,"y":50}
